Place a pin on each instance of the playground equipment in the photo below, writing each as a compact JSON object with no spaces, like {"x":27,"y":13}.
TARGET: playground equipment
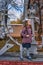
{"x":11,"y":37}
{"x":8,"y":45}
{"x":7,"y":32}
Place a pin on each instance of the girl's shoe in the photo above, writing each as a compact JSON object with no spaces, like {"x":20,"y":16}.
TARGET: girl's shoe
{"x":29,"y":58}
{"x":21,"y":59}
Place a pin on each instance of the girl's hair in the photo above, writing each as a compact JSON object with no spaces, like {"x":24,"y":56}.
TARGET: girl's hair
{"x":25,"y":23}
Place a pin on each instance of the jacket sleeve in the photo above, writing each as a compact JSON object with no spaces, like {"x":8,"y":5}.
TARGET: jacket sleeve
{"x":30,"y":32}
{"x":23,"y":33}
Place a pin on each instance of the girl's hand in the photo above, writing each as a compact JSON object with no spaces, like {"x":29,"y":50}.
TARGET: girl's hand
{"x":27,"y":35}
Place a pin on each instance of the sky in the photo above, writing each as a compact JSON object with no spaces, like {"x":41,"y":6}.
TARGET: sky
{"x":16,"y":11}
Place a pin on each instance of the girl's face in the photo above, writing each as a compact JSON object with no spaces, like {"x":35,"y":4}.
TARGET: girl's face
{"x":28,"y":22}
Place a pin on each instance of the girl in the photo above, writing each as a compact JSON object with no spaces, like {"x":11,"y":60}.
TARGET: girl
{"x":26,"y":35}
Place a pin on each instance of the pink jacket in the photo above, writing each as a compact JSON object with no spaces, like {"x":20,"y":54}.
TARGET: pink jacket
{"x":24,"y":33}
